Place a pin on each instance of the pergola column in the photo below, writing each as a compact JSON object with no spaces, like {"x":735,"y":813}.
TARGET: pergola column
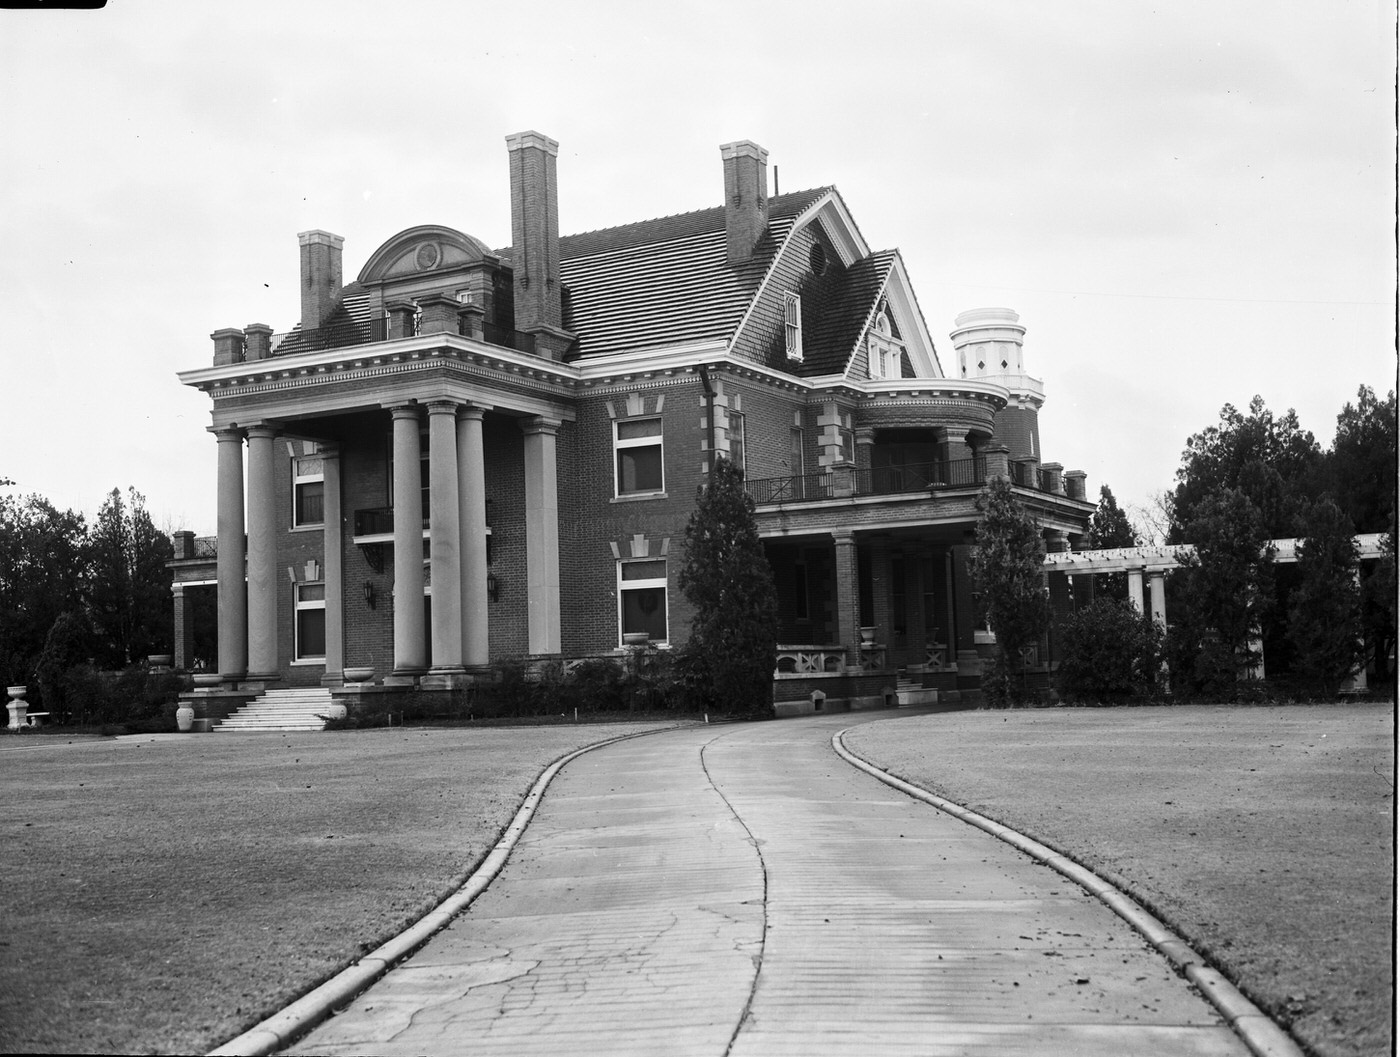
{"x":445,"y":539}
{"x":333,"y":567}
{"x":542,"y":535}
{"x":1135,"y":589}
{"x":233,"y":590}
{"x":471,"y":472}
{"x":847,"y":592}
{"x":1157,"y":589}
{"x":410,"y":657}
{"x":262,"y":554}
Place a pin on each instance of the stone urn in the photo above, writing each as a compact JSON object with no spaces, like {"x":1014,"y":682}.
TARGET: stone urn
{"x":184,"y":718}
{"x":204,"y":680}
{"x":361,"y":674}
{"x":17,"y":706}
{"x":867,"y":636}
{"x":159,"y":660}
{"x":337,"y":711}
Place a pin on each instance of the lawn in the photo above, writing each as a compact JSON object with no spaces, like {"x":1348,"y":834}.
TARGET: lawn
{"x":1265,"y":836}
{"x":162,"y":895}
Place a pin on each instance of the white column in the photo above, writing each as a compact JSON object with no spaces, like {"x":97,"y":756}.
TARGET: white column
{"x":409,"y":654}
{"x":445,"y":539}
{"x":542,"y":534}
{"x":333,"y":567}
{"x":1156,"y":585}
{"x":1356,"y":682}
{"x":262,"y":554}
{"x":1135,"y":589}
{"x":471,"y":469}
{"x":233,"y":589}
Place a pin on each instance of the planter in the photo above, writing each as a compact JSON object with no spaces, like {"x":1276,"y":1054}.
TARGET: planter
{"x":337,"y":711}
{"x":358,"y":675}
{"x":207,"y":679}
{"x":17,"y":706}
{"x":159,"y":660}
{"x":184,"y":719}
{"x":867,"y":635}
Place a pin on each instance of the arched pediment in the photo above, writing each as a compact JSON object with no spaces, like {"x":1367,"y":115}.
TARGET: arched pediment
{"x":422,"y":250}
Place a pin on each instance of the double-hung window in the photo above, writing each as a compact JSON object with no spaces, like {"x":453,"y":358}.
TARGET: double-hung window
{"x":792,"y":326}
{"x":308,"y":490}
{"x":637,"y":446}
{"x":310,"y":621}
{"x":736,"y":440}
{"x":641,"y":598}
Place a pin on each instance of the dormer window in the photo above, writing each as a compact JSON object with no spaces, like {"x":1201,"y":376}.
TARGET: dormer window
{"x":792,"y":326}
{"x":884,"y":349}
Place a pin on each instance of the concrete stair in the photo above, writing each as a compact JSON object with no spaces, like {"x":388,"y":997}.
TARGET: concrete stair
{"x":294,"y":709}
{"x":911,"y":692}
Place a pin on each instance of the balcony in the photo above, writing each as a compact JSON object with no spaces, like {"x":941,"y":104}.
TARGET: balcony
{"x":899,"y":479}
{"x":372,"y":331}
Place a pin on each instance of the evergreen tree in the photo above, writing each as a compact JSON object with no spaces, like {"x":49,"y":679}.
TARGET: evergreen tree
{"x":1109,"y":528}
{"x":1008,"y":580}
{"x":1361,"y":465}
{"x":130,"y":587}
{"x":1220,"y":595}
{"x":1272,"y":460}
{"x":732,"y":650}
{"x":1324,"y":615}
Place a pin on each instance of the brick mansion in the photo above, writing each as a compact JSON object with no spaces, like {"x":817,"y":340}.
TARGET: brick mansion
{"x":469,"y":454}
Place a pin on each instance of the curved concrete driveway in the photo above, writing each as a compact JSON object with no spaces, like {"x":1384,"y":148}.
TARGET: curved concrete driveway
{"x":742,"y":890}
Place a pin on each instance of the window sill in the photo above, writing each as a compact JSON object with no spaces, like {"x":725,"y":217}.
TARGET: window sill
{"x":309,"y":661}
{"x":637,"y":497}
{"x":310,"y":526}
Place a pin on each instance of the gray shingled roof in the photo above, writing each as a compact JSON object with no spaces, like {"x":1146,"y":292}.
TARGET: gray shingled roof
{"x":840,"y":317}
{"x":665,"y":281}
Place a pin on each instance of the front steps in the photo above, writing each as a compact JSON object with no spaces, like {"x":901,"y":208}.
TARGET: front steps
{"x":303,"y":708}
{"x":912,"y":692}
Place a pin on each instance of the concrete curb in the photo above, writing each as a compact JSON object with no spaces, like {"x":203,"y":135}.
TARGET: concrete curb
{"x":1263,"y":1037}
{"x":280,"y":1029}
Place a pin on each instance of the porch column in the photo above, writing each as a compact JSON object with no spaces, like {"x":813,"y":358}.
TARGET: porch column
{"x":1356,"y":681}
{"x":847,"y":593}
{"x":233,"y":590}
{"x":262,"y":554}
{"x":409,"y":654}
{"x":471,"y":474}
{"x":333,"y":567}
{"x":1135,"y":589}
{"x":542,"y":534}
{"x":184,"y":626}
{"x":445,"y":540}
{"x":1157,"y":587}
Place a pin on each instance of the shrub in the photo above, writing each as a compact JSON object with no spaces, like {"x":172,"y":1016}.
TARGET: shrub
{"x":1109,"y":653}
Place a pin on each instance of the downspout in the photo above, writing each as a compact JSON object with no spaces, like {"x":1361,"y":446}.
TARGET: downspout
{"x":709,"y":417}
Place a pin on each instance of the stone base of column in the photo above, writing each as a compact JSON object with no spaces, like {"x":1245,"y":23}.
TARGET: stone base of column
{"x":404,"y":677}
{"x":258,"y":681}
{"x":446,"y":679}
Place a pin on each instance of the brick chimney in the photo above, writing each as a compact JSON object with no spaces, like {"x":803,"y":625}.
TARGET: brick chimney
{"x":534,"y":225}
{"x":320,"y":277}
{"x":745,"y":197}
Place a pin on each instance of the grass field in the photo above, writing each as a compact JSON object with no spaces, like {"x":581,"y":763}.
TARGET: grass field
{"x":1265,"y":836}
{"x":162,"y":895}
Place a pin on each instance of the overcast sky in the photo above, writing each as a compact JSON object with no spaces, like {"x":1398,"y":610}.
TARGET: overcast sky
{"x":1188,"y":202}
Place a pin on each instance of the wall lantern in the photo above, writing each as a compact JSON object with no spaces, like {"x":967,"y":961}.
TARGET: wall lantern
{"x":493,"y":587}
{"x":369,"y":593}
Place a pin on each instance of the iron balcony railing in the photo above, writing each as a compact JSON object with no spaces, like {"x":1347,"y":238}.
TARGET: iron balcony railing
{"x":377,"y":521}
{"x":898,"y":479}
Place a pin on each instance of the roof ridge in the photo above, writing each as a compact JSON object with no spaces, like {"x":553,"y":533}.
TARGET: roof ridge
{"x":690,"y":212}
